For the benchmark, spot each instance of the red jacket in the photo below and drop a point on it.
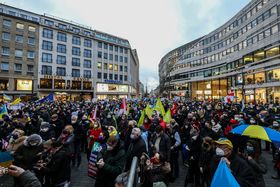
(93, 135)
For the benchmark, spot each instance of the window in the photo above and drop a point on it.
(110, 76)
(31, 41)
(7, 23)
(111, 47)
(105, 66)
(46, 70)
(116, 58)
(125, 59)
(105, 76)
(110, 56)
(76, 40)
(274, 29)
(125, 51)
(61, 48)
(266, 15)
(99, 65)
(273, 11)
(61, 37)
(87, 74)
(87, 53)
(5, 66)
(121, 68)
(105, 56)
(87, 43)
(76, 62)
(49, 23)
(125, 78)
(30, 68)
(272, 52)
(99, 44)
(254, 23)
(47, 57)
(110, 66)
(121, 77)
(267, 33)
(99, 54)
(5, 51)
(259, 55)
(248, 59)
(87, 63)
(18, 67)
(31, 54)
(121, 50)
(47, 45)
(260, 36)
(75, 73)
(61, 59)
(105, 46)
(115, 67)
(121, 58)
(260, 19)
(20, 26)
(125, 68)
(18, 53)
(116, 49)
(19, 38)
(6, 36)
(76, 51)
(47, 33)
(99, 75)
(31, 29)
(116, 77)
(60, 71)
(76, 30)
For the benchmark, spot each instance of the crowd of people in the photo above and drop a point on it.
(48, 139)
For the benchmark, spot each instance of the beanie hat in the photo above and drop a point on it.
(33, 140)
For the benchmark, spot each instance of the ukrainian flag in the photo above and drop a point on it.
(6, 97)
(3, 110)
(6, 159)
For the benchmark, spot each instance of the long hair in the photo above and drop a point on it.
(257, 149)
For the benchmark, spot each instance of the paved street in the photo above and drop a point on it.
(80, 178)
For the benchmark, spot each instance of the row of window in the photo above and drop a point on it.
(18, 53)
(240, 46)
(6, 36)
(116, 67)
(61, 71)
(76, 40)
(17, 67)
(116, 76)
(110, 47)
(117, 58)
(233, 25)
(19, 26)
(234, 36)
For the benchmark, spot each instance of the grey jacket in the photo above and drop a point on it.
(259, 168)
(28, 179)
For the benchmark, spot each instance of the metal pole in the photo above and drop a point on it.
(132, 178)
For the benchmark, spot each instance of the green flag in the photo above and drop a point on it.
(159, 107)
(149, 111)
(167, 117)
(142, 117)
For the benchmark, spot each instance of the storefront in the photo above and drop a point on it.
(23, 85)
(111, 91)
(4, 84)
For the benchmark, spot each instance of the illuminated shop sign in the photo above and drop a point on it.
(24, 85)
(111, 88)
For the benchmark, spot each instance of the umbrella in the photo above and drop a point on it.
(259, 132)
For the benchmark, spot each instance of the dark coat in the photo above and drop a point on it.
(164, 145)
(240, 169)
(28, 179)
(259, 169)
(114, 163)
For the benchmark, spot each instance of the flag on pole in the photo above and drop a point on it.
(6, 97)
(3, 110)
(167, 117)
(94, 114)
(159, 107)
(149, 111)
(223, 176)
(123, 107)
(45, 99)
(141, 120)
(15, 102)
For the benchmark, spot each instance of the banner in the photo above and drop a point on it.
(46, 99)
(95, 156)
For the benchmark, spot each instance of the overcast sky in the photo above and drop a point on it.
(153, 27)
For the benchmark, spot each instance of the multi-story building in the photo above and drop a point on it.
(242, 57)
(19, 51)
(73, 61)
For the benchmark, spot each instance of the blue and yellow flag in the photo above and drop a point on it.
(6, 159)
(15, 102)
(3, 110)
(6, 97)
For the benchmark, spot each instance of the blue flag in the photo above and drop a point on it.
(48, 98)
(3, 110)
(223, 177)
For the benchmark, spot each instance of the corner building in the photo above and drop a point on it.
(242, 57)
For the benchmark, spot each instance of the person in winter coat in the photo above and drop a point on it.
(240, 169)
(111, 163)
(67, 139)
(78, 135)
(57, 125)
(256, 161)
(93, 135)
(136, 148)
(27, 155)
(46, 131)
(16, 140)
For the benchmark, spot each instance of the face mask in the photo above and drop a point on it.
(109, 148)
(44, 129)
(32, 143)
(194, 137)
(275, 125)
(133, 137)
(145, 121)
(73, 121)
(220, 152)
(252, 121)
(250, 150)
